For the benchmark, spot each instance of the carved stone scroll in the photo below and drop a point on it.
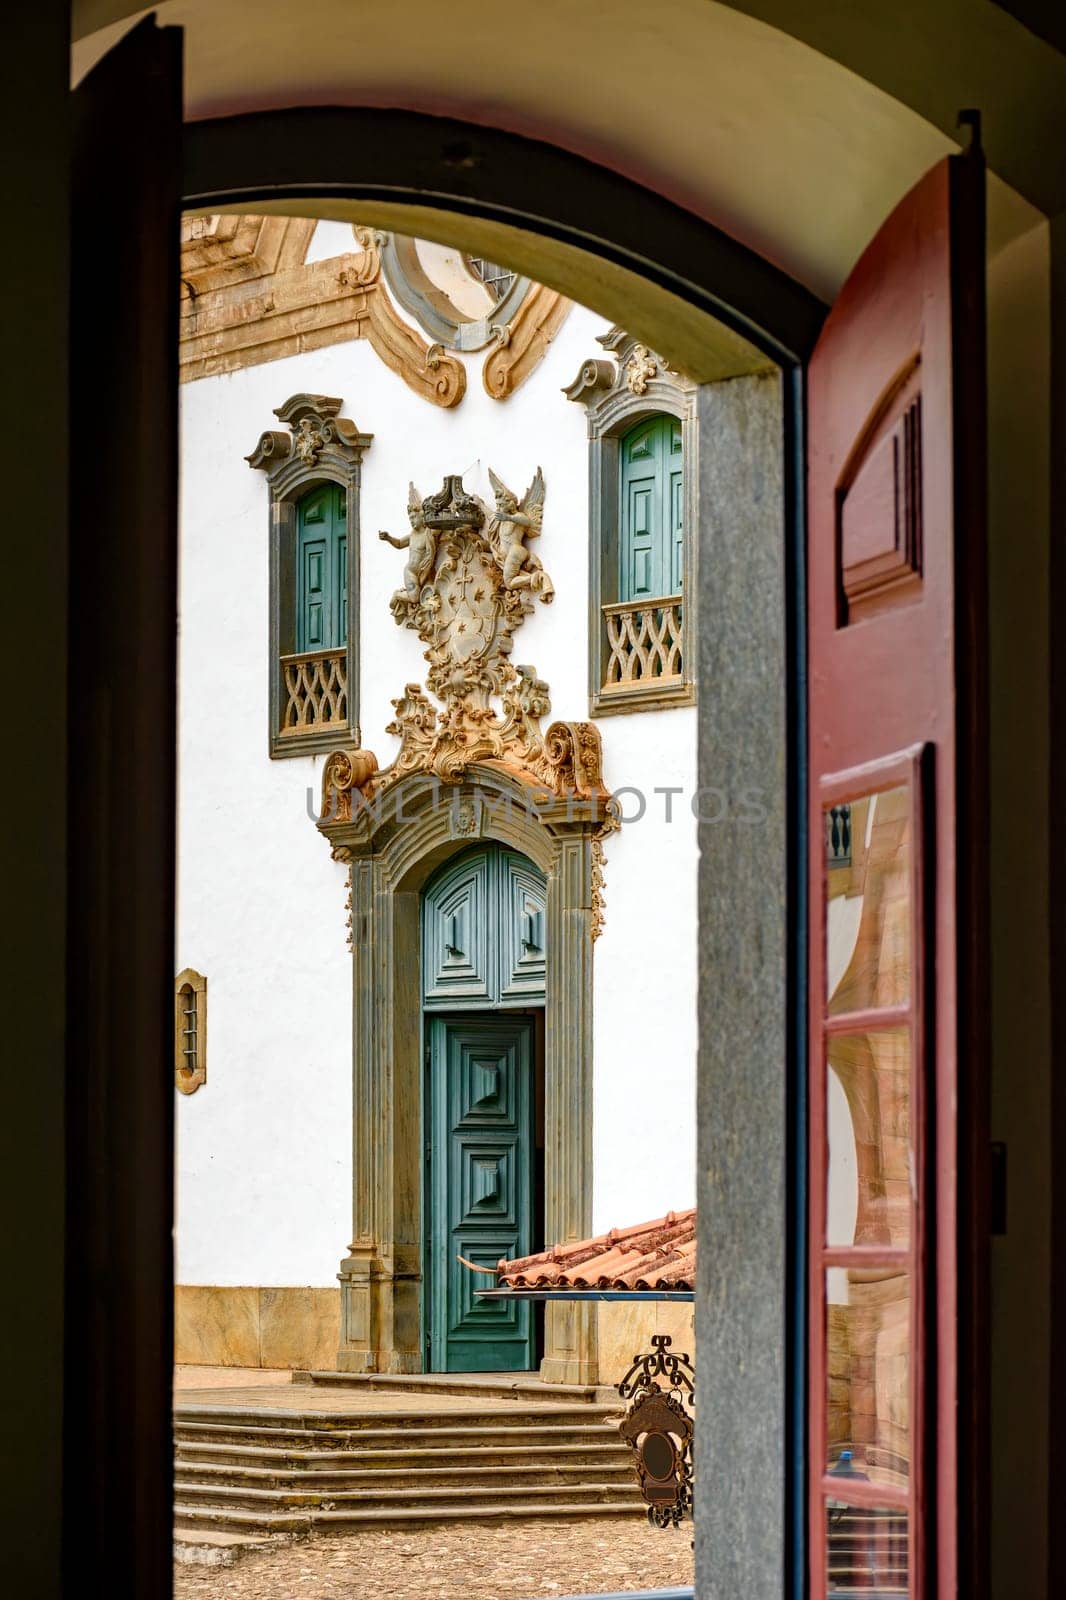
(428, 369)
(524, 341)
(248, 296)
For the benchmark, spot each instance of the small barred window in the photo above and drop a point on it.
(190, 1031)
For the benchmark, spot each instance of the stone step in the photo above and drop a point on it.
(488, 1453)
(485, 1385)
(205, 1547)
(381, 1435)
(187, 1414)
(290, 1470)
(196, 1482)
(221, 1497)
(488, 1510)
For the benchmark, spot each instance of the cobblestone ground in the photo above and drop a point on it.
(516, 1561)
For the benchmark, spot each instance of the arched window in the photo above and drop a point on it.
(643, 504)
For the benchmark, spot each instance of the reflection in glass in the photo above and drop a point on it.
(868, 1336)
(868, 1123)
(868, 902)
(866, 1549)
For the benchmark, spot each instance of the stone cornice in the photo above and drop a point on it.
(249, 297)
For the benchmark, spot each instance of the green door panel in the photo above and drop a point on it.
(479, 1106)
(523, 928)
(457, 933)
(484, 931)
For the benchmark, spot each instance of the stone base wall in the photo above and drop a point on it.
(251, 1326)
(256, 1327)
(625, 1330)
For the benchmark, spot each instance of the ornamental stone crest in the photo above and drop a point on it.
(469, 580)
(640, 369)
(317, 436)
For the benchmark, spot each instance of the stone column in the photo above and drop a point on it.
(570, 1330)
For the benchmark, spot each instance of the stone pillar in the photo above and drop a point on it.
(570, 1330)
(358, 1346)
(742, 1422)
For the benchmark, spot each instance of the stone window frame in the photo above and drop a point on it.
(321, 447)
(412, 290)
(190, 982)
(617, 395)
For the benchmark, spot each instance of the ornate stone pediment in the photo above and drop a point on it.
(469, 581)
(608, 388)
(317, 437)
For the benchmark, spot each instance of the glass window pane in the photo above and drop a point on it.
(868, 902)
(871, 1164)
(868, 1339)
(866, 1550)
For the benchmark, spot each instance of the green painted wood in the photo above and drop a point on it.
(523, 923)
(484, 931)
(458, 933)
(651, 533)
(479, 1098)
(675, 508)
(322, 569)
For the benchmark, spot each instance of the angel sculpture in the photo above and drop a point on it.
(421, 547)
(514, 522)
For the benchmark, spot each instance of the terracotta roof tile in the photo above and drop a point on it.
(651, 1255)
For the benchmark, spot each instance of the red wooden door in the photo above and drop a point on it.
(896, 539)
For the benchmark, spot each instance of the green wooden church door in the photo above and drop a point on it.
(484, 918)
(480, 1146)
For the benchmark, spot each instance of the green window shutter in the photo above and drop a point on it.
(341, 636)
(651, 533)
(321, 569)
(675, 510)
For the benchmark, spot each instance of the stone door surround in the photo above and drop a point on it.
(393, 847)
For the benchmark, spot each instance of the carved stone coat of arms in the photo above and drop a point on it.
(470, 577)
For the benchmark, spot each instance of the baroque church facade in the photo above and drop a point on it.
(437, 799)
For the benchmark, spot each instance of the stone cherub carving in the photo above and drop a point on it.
(421, 547)
(469, 582)
(514, 522)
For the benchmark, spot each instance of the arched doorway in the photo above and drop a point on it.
(484, 963)
(406, 850)
(744, 1287)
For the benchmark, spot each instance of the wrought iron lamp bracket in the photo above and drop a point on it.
(658, 1428)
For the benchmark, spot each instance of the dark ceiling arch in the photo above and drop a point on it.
(404, 157)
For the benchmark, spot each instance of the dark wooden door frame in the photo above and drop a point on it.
(480, 173)
(410, 159)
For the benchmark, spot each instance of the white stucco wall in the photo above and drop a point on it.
(264, 1158)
